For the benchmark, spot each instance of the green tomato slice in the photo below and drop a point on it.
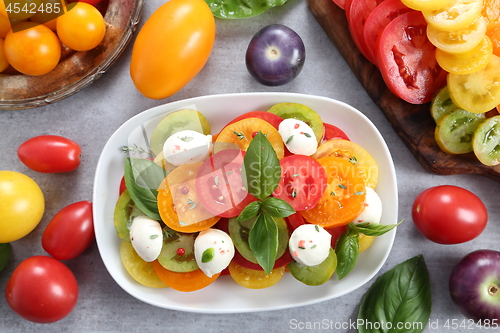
(455, 130)
(441, 104)
(486, 141)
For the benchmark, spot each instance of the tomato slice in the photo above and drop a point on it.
(479, 91)
(294, 221)
(302, 182)
(378, 19)
(282, 261)
(358, 14)
(441, 104)
(495, 40)
(486, 141)
(255, 279)
(186, 282)
(466, 62)
(458, 14)
(426, 4)
(407, 61)
(491, 11)
(354, 153)
(271, 118)
(242, 132)
(344, 196)
(142, 271)
(179, 204)
(336, 232)
(333, 132)
(458, 41)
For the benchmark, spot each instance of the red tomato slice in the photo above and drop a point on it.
(302, 183)
(333, 132)
(271, 118)
(358, 14)
(294, 221)
(284, 260)
(219, 184)
(336, 232)
(378, 19)
(407, 60)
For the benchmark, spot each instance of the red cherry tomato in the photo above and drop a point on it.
(70, 231)
(50, 154)
(449, 214)
(407, 60)
(333, 132)
(42, 289)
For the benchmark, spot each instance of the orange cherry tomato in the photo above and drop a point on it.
(186, 282)
(178, 203)
(495, 40)
(33, 50)
(172, 47)
(344, 196)
(4, 63)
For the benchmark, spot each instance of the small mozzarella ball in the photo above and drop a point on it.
(213, 251)
(146, 237)
(309, 244)
(298, 137)
(187, 147)
(373, 208)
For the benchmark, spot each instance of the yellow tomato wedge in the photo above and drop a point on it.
(459, 14)
(142, 271)
(466, 62)
(354, 153)
(458, 41)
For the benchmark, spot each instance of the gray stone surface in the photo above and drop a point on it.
(92, 115)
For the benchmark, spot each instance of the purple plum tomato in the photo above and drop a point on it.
(474, 286)
(448, 214)
(275, 55)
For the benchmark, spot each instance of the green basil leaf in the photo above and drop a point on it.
(251, 210)
(234, 9)
(374, 229)
(400, 298)
(347, 250)
(277, 207)
(4, 254)
(262, 167)
(208, 255)
(263, 241)
(143, 177)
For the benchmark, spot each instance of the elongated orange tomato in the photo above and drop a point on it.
(186, 282)
(172, 47)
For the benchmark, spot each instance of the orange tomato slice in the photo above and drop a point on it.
(255, 279)
(242, 132)
(344, 196)
(178, 203)
(348, 150)
(185, 282)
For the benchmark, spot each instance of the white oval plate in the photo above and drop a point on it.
(225, 295)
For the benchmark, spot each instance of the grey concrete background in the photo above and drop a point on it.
(92, 115)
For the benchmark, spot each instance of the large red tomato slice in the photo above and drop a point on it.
(378, 19)
(357, 16)
(407, 59)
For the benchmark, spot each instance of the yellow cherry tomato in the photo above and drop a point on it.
(458, 41)
(22, 205)
(33, 50)
(466, 62)
(458, 14)
(82, 27)
(172, 47)
(364, 242)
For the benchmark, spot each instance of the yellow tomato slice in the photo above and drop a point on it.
(479, 91)
(178, 203)
(425, 4)
(254, 279)
(466, 62)
(344, 197)
(242, 132)
(142, 271)
(458, 41)
(458, 14)
(367, 166)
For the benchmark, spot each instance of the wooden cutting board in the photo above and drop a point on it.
(413, 123)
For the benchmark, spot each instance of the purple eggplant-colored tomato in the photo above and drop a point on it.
(474, 286)
(275, 55)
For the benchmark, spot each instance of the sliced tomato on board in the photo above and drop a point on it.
(333, 132)
(378, 19)
(407, 60)
(358, 14)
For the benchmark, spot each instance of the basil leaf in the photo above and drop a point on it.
(234, 9)
(347, 250)
(251, 210)
(262, 167)
(4, 255)
(399, 298)
(263, 241)
(277, 207)
(208, 255)
(374, 229)
(143, 177)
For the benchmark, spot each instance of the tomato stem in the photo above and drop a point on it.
(493, 290)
